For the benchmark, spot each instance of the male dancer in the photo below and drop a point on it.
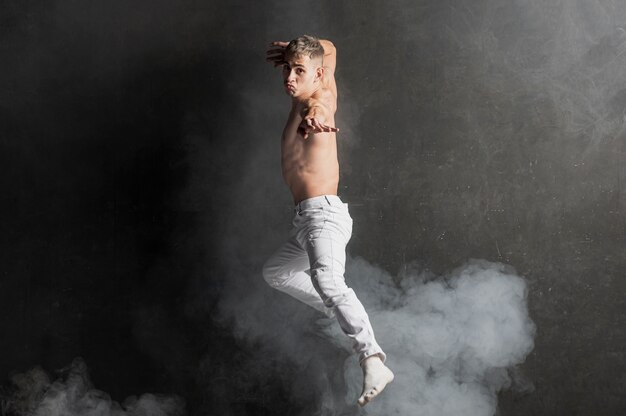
(310, 265)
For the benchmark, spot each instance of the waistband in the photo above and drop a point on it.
(318, 201)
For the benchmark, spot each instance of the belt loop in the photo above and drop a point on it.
(325, 197)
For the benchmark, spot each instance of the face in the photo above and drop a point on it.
(301, 75)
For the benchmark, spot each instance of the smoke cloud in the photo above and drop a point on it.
(73, 394)
(453, 341)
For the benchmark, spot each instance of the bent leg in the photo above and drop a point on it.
(288, 271)
(326, 230)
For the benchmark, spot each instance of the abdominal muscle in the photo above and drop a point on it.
(310, 166)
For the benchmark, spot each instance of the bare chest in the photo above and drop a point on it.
(292, 143)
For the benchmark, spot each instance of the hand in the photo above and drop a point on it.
(276, 54)
(312, 125)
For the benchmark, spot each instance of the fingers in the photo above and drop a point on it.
(279, 57)
(312, 125)
(322, 127)
(276, 61)
(319, 127)
(274, 53)
(276, 56)
(277, 49)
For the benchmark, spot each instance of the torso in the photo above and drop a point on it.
(310, 166)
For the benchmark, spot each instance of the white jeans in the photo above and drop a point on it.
(310, 267)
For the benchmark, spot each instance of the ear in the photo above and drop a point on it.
(319, 73)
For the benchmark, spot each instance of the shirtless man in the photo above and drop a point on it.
(310, 265)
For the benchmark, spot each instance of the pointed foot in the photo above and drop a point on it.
(376, 376)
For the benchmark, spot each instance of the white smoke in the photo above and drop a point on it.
(452, 341)
(449, 340)
(73, 394)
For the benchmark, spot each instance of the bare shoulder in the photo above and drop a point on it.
(327, 97)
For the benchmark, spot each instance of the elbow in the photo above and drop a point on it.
(328, 46)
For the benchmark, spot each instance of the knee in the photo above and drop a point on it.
(270, 275)
(331, 287)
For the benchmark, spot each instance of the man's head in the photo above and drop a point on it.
(305, 46)
(304, 67)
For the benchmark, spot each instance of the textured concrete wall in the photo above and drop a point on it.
(139, 147)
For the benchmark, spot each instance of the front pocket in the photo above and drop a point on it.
(317, 229)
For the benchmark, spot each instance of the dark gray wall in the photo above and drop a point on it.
(141, 180)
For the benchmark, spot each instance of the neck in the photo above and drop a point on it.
(303, 98)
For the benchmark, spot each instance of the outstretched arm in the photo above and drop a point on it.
(319, 115)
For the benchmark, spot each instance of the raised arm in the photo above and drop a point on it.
(330, 62)
(276, 53)
(322, 106)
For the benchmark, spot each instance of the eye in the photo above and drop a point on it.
(299, 70)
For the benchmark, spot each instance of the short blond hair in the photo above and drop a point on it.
(305, 45)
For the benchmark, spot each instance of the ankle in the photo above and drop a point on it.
(372, 360)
